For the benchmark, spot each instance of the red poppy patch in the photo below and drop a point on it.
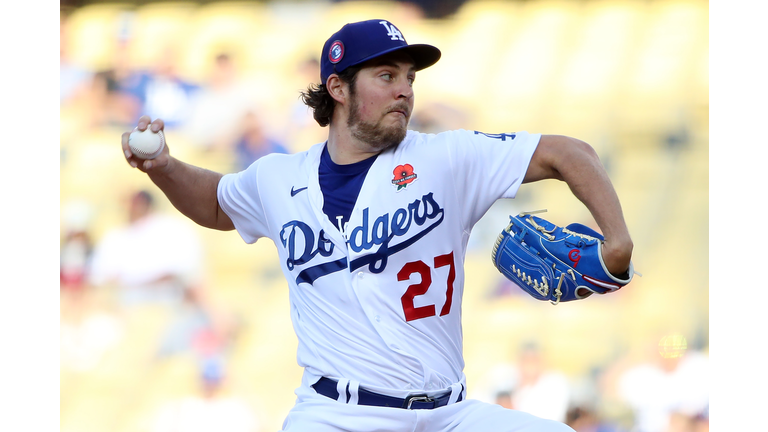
(404, 175)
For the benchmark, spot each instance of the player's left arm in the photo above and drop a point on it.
(577, 164)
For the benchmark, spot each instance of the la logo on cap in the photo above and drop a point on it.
(336, 52)
(392, 31)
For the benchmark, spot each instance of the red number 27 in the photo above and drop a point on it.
(421, 288)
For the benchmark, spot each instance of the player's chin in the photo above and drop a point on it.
(398, 117)
(396, 123)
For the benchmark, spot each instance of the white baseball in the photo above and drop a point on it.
(147, 144)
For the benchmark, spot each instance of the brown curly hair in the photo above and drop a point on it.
(321, 102)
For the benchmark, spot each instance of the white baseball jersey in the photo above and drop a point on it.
(380, 302)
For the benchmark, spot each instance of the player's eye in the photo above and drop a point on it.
(387, 76)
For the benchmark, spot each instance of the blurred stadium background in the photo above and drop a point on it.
(629, 77)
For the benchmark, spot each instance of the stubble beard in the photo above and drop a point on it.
(376, 135)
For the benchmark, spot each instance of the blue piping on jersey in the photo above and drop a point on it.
(311, 274)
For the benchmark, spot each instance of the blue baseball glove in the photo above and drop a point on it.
(554, 263)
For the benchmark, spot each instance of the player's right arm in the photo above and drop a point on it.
(192, 190)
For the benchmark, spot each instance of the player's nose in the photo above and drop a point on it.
(407, 93)
(404, 90)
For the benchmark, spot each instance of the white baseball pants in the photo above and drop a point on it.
(317, 413)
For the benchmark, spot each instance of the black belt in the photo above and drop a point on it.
(327, 387)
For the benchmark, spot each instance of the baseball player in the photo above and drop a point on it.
(371, 228)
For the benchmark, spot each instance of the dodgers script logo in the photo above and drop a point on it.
(297, 231)
(299, 240)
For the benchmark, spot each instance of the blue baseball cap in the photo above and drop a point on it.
(361, 41)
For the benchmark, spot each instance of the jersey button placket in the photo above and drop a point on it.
(360, 278)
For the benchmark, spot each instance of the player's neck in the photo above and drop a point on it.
(344, 149)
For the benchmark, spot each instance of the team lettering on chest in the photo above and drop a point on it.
(303, 246)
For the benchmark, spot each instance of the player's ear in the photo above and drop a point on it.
(337, 88)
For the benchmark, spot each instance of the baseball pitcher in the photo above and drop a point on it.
(371, 228)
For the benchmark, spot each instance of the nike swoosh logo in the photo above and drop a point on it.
(295, 191)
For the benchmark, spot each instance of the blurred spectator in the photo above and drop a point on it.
(683, 422)
(199, 328)
(668, 392)
(680, 422)
(539, 391)
(528, 385)
(583, 419)
(504, 398)
(153, 259)
(87, 328)
(76, 246)
(210, 410)
(701, 421)
(191, 319)
(254, 143)
(76, 250)
(157, 260)
(125, 93)
(218, 107)
(120, 91)
(168, 96)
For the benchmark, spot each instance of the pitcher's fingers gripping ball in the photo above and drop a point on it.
(554, 263)
(146, 144)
